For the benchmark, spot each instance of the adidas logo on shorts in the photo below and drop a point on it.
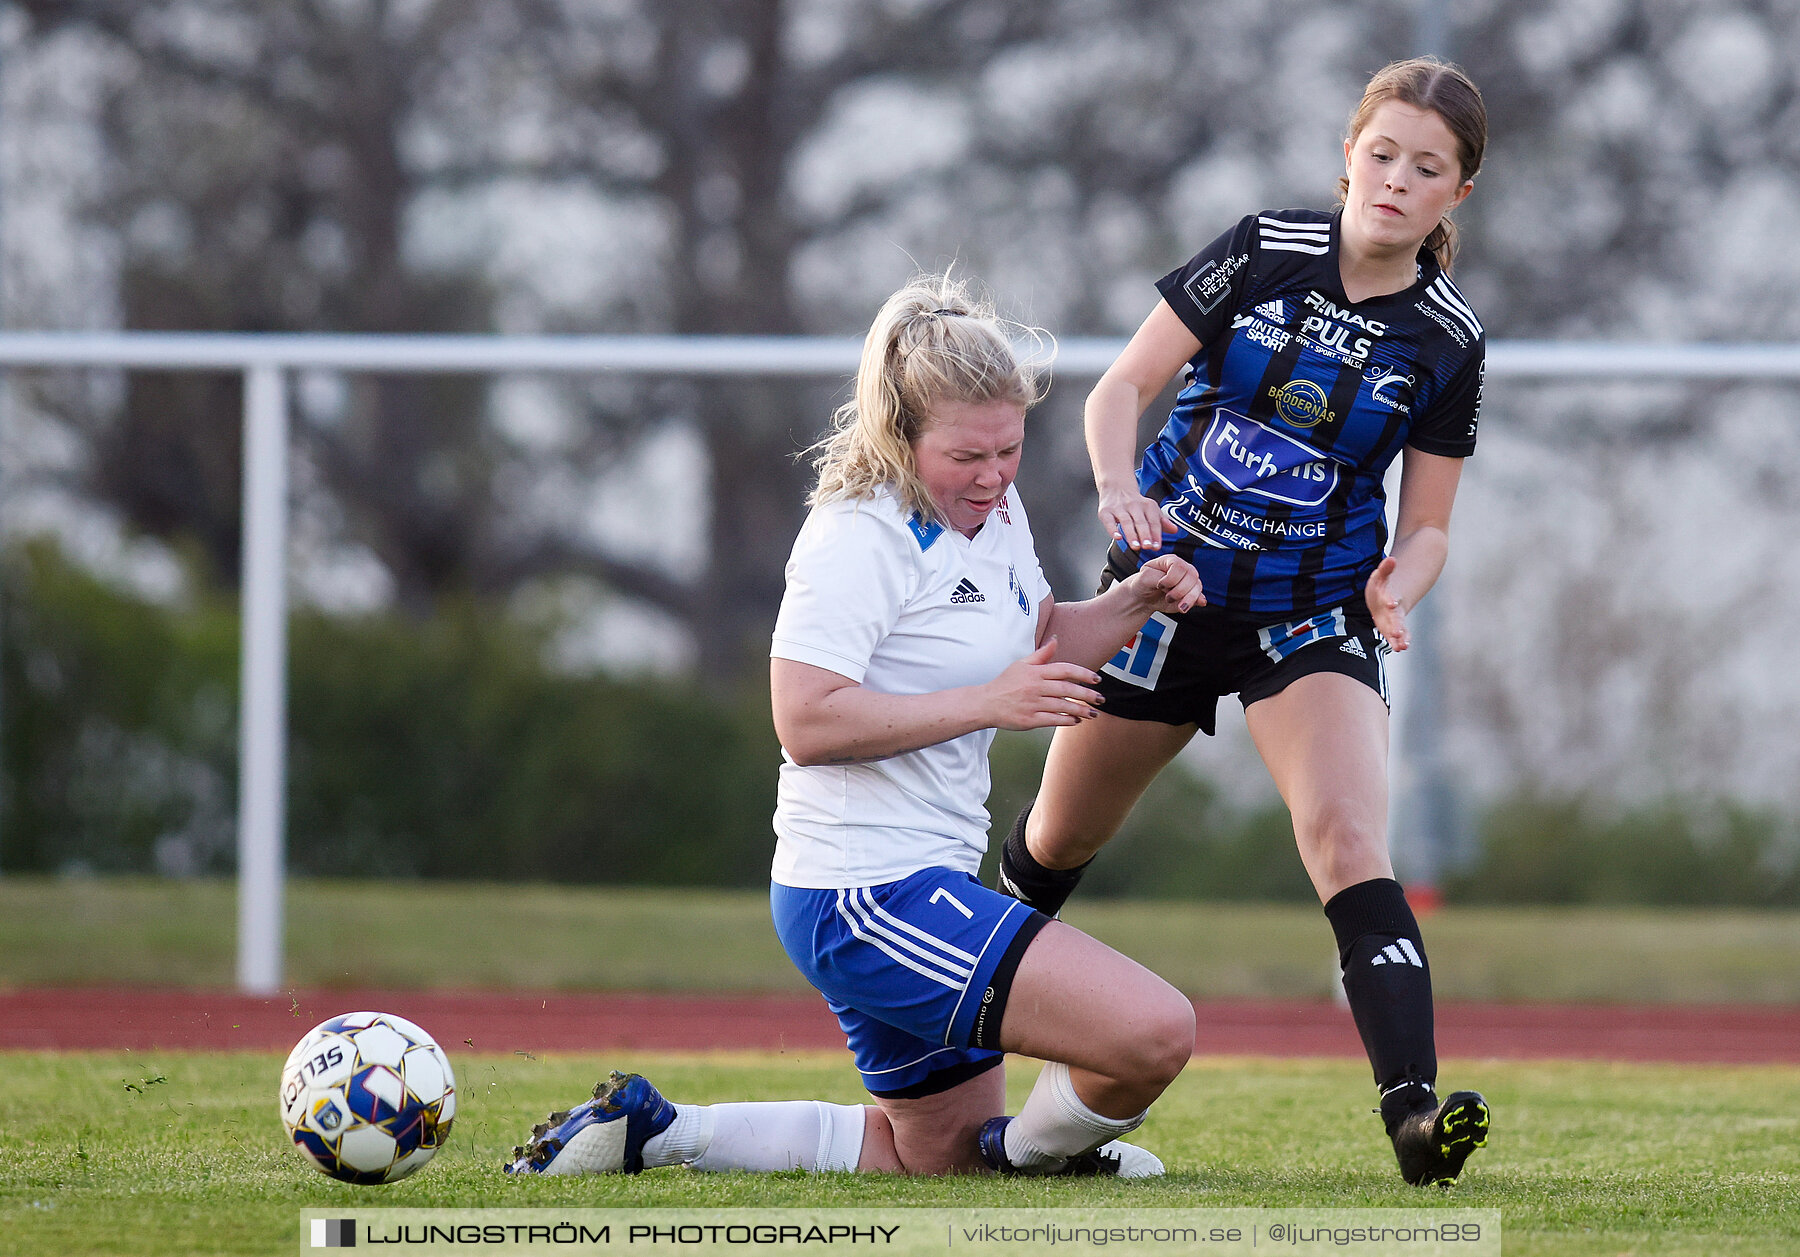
(965, 591)
(1351, 646)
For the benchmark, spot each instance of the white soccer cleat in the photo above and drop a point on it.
(1117, 1159)
(606, 1135)
(1134, 1162)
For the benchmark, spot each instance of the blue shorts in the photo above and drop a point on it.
(917, 971)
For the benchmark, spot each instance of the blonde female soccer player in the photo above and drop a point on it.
(916, 622)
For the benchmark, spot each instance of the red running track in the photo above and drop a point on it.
(92, 1017)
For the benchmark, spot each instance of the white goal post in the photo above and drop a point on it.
(265, 360)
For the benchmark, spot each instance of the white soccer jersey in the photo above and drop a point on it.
(905, 607)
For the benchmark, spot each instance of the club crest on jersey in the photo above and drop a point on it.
(1250, 457)
(1301, 404)
(1018, 590)
(1395, 384)
(924, 531)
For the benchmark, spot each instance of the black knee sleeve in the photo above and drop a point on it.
(1387, 981)
(1029, 882)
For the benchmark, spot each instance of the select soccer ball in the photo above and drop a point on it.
(368, 1097)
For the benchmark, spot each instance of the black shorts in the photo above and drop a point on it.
(1178, 666)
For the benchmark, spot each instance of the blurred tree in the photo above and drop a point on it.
(259, 184)
(707, 110)
(271, 168)
(760, 168)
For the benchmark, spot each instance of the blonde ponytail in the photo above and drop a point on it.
(931, 342)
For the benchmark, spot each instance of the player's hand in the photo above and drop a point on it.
(1167, 583)
(1036, 693)
(1384, 605)
(1133, 520)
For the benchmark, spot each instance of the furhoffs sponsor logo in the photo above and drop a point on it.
(1250, 457)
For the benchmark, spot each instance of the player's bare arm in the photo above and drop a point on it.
(1151, 359)
(823, 717)
(1092, 632)
(1421, 542)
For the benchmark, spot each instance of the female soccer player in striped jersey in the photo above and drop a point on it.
(916, 622)
(1319, 347)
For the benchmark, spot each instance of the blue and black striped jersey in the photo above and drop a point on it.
(1272, 460)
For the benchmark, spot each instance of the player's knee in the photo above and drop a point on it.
(1161, 1041)
(1346, 837)
(1057, 845)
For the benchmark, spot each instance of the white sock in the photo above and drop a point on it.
(1055, 1125)
(683, 1139)
(783, 1135)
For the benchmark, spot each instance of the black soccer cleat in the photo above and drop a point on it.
(1431, 1144)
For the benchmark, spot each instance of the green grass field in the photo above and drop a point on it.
(168, 1153)
(425, 934)
(162, 1153)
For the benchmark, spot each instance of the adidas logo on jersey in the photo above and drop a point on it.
(1272, 311)
(1351, 646)
(1398, 952)
(965, 591)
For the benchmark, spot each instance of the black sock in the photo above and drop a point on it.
(1388, 983)
(1029, 882)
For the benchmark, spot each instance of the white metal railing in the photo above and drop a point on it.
(265, 359)
(760, 355)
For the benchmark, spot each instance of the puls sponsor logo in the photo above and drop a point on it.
(1334, 340)
(1333, 330)
(1301, 404)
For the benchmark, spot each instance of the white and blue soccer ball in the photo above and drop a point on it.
(368, 1097)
